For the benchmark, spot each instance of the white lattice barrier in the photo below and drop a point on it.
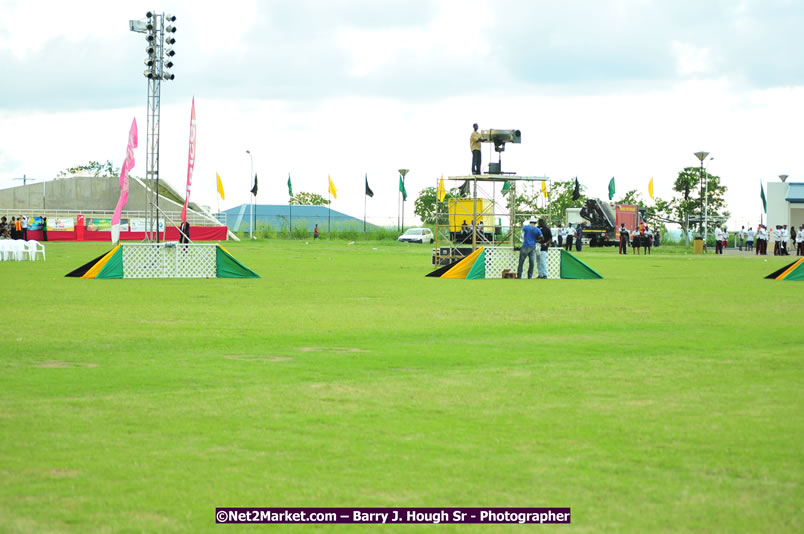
(500, 258)
(169, 260)
(553, 263)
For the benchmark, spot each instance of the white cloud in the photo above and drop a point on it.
(692, 60)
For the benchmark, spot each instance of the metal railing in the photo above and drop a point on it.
(194, 218)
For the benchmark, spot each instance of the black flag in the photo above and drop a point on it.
(576, 193)
(369, 192)
(254, 189)
(464, 189)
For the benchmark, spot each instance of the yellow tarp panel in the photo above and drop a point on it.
(790, 270)
(93, 272)
(463, 267)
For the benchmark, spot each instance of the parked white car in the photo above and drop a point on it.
(417, 235)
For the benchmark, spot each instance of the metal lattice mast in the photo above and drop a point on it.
(158, 63)
(152, 142)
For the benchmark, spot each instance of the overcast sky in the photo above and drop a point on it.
(623, 88)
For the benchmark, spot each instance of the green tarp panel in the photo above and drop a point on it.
(228, 267)
(81, 271)
(796, 276)
(572, 267)
(113, 267)
(478, 270)
(441, 270)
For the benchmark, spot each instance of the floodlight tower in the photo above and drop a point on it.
(158, 63)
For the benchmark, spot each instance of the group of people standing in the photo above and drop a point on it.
(642, 238)
(16, 229)
(721, 239)
(533, 236)
(758, 241)
(569, 234)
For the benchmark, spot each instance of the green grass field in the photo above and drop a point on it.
(667, 397)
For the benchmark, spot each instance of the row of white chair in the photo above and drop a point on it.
(19, 250)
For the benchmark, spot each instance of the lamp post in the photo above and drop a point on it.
(25, 181)
(251, 219)
(702, 156)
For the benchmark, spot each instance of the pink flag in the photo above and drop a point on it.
(190, 164)
(128, 164)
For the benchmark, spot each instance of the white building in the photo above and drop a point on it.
(785, 204)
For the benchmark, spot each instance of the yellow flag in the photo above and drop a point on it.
(220, 187)
(332, 189)
(544, 189)
(650, 188)
(441, 191)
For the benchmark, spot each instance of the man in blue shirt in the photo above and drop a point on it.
(530, 236)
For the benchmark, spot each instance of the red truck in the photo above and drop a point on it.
(603, 220)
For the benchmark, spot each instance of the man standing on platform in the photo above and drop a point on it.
(474, 145)
(530, 236)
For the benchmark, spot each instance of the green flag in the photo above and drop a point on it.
(762, 196)
(402, 189)
(611, 188)
(290, 187)
(506, 187)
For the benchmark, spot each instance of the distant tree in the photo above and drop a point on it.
(561, 198)
(630, 197)
(686, 203)
(308, 199)
(427, 206)
(93, 168)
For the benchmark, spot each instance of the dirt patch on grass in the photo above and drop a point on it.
(251, 358)
(56, 364)
(334, 350)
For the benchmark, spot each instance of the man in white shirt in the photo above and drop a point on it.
(648, 239)
(749, 238)
(569, 233)
(762, 238)
(562, 233)
(725, 237)
(776, 235)
(784, 235)
(718, 240)
(800, 240)
(741, 238)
